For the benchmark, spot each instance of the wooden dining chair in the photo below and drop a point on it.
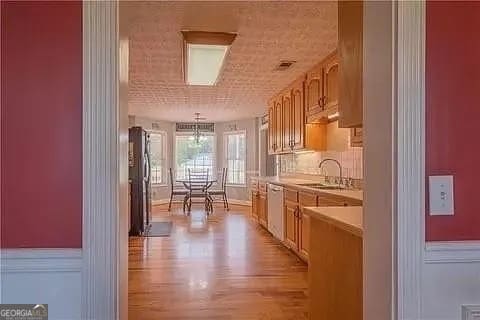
(198, 184)
(175, 192)
(223, 189)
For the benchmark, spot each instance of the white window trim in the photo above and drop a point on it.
(225, 160)
(165, 155)
(174, 148)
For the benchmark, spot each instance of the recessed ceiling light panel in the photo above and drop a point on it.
(204, 55)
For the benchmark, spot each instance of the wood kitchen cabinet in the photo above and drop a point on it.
(262, 204)
(298, 116)
(330, 84)
(297, 222)
(254, 191)
(278, 110)
(350, 54)
(314, 90)
(356, 137)
(321, 89)
(305, 199)
(272, 138)
(287, 123)
(337, 253)
(291, 224)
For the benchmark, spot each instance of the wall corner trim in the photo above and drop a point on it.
(410, 187)
(452, 252)
(101, 219)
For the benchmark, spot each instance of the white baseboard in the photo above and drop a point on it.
(470, 312)
(452, 252)
(43, 276)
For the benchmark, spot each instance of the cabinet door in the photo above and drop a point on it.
(314, 90)
(298, 117)
(278, 124)
(255, 205)
(304, 234)
(271, 129)
(330, 84)
(350, 53)
(291, 227)
(262, 210)
(356, 137)
(287, 122)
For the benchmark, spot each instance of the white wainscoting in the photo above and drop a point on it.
(451, 281)
(51, 276)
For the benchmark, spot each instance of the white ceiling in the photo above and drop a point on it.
(267, 33)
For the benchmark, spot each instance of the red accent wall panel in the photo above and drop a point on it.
(453, 113)
(41, 123)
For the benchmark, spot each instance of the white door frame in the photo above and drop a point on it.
(410, 157)
(105, 169)
(104, 152)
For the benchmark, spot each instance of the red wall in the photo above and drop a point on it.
(41, 123)
(453, 113)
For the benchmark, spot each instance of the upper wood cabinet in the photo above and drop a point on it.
(278, 110)
(356, 137)
(350, 51)
(287, 144)
(330, 83)
(272, 138)
(298, 117)
(314, 90)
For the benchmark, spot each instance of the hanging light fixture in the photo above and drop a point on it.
(196, 130)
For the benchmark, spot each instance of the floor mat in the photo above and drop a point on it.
(160, 229)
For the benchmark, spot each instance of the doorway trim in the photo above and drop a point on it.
(410, 142)
(103, 238)
(103, 248)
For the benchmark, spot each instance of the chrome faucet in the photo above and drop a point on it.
(335, 161)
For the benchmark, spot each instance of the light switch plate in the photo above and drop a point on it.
(441, 195)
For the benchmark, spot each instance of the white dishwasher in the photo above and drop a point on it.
(275, 211)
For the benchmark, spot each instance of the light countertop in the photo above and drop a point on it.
(347, 218)
(297, 184)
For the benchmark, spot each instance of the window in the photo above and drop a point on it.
(158, 155)
(235, 156)
(194, 156)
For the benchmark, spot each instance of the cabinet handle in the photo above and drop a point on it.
(320, 102)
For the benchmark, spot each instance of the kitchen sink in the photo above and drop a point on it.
(322, 186)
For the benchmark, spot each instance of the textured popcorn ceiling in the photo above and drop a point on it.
(267, 33)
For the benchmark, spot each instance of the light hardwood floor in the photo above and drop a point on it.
(220, 267)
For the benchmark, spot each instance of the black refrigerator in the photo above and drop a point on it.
(139, 175)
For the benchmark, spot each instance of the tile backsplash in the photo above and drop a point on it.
(338, 148)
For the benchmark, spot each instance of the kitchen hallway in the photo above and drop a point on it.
(224, 266)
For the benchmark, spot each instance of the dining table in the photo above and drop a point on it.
(200, 184)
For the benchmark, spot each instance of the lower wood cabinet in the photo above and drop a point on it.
(291, 224)
(262, 209)
(297, 222)
(255, 205)
(337, 253)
